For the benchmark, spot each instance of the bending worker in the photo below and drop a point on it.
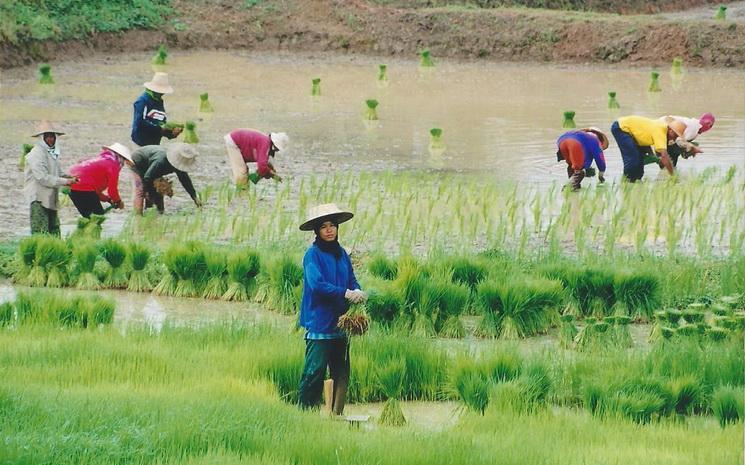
(249, 145)
(151, 163)
(693, 127)
(634, 133)
(579, 149)
(96, 176)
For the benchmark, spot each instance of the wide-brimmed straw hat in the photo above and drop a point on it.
(45, 127)
(677, 126)
(604, 142)
(119, 149)
(280, 140)
(181, 156)
(159, 83)
(325, 212)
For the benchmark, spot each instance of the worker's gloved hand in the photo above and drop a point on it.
(355, 296)
(601, 176)
(71, 180)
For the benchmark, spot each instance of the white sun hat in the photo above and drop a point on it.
(45, 127)
(325, 212)
(159, 83)
(181, 156)
(280, 140)
(120, 149)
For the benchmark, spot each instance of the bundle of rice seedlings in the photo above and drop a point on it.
(435, 139)
(204, 103)
(27, 257)
(612, 102)
(382, 72)
(384, 305)
(619, 333)
(687, 394)
(68, 312)
(190, 135)
(721, 13)
(161, 55)
(717, 334)
(452, 304)
(382, 267)
(673, 316)
(138, 258)
(217, 268)
(167, 283)
(86, 254)
(371, 112)
(687, 330)
(89, 227)
(426, 59)
(693, 316)
(355, 321)
(639, 406)
(468, 271)
(52, 256)
(101, 311)
(727, 405)
(473, 388)
(7, 310)
(569, 120)
(502, 365)
(535, 384)
(45, 74)
(114, 253)
(286, 276)
(719, 309)
(592, 290)
(730, 301)
(654, 84)
(639, 292)
(315, 89)
(243, 267)
(567, 332)
(594, 398)
(25, 149)
(586, 337)
(677, 67)
(390, 378)
(187, 262)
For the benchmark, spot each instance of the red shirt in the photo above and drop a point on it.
(98, 175)
(254, 146)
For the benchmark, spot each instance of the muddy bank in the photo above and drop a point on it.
(360, 27)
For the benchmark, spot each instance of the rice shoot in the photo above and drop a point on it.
(569, 120)
(160, 55)
(612, 102)
(721, 13)
(243, 267)
(390, 378)
(435, 139)
(426, 59)
(371, 113)
(677, 67)
(138, 259)
(86, 254)
(25, 149)
(190, 135)
(654, 84)
(355, 321)
(217, 268)
(382, 72)
(45, 74)
(204, 103)
(315, 89)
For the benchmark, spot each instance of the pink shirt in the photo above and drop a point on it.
(98, 175)
(254, 146)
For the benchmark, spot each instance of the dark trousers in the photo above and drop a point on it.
(86, 203)
(44, 220)
(319, 354)
(631, 153)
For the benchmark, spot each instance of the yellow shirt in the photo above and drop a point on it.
(645, 131)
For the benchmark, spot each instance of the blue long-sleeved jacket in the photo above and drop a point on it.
(146, 123)
(325, 280)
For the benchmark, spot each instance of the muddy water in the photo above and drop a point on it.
(499, 120)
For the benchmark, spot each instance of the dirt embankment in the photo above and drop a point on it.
(355, 26)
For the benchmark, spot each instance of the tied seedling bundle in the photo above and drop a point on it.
(425, 59)
(721, 13)
(390, 378)
(315, 89)
(568, 331)
(138, 278)
(217, 269)
(654, 84)
(53, 257)
(384, 305)
(86, 254)
(204, 103)
(190, 135)
(280, 285)
(612, 102)
(160, 55)
(382, 73)
(89, 228)
(569, 120)
(115, 254)
(45, 74)
(472, 385)
(435, 139)
(677, 67)
(27, 259)
(371, 112)
(25, 149)
(243, 267)
(169, 126)
(355, 322)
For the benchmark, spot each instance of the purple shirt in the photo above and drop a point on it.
(590, 146)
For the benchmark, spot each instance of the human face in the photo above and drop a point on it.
(50, 138)
(328, 231)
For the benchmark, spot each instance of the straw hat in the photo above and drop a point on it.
(325, 212)
(678, 127)
(181, 156)
(159, 84)
(280, 140)
(120, 149)
(45, 127)
(601, 135)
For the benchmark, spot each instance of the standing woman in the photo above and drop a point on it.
(43, 180)
(150, 113)
(329, 286)
(96, 176)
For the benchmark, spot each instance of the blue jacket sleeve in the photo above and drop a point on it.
(599, 160)
(317, 285)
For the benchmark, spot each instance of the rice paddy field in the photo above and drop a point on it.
(512, 321)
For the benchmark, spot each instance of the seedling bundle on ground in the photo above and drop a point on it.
(45, 74)
(382, 72)
(315, 89)
(190, 134)
(160, 55)
(204, 103)
(371, 112)
(612, 102)
(425, 59)
(654, 84)
(569, 120)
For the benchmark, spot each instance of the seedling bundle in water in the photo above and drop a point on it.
(25, 149)
(569, 120)
(315, 89)
(426, 59)
(161, 55)
(216, 272)
(45, 74)
(371, 112)
(677, 67)
(204, 103)
(86, 254)
(382, 72)
(391, 378)
(281, 285)
(138, 278)
(435, 139)
(243, 267)
(190, 135)
(654, 84)
(114, 253)
(612, 102)
(721, 13)
(53, 257)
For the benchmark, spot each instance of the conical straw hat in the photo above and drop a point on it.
(46, 126)
(325, 212)
(121, 149)
(159, 84)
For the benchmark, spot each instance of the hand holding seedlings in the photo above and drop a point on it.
(356, 296)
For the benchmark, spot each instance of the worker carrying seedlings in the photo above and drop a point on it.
(96, 176)
(329, 287)
(43, 179)
(579, 149)
(149, 121)
(150, 163)
(683, 145)
(250, 145)
(634, 133)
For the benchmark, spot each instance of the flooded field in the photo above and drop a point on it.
(499, 121)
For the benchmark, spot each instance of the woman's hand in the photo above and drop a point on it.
(355, 296)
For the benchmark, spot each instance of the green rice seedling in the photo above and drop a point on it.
(594, 398)
(677, 67)
(190, 134)
(673, 316)
(727, 405)
(654, 84)
(693, 316)
(371, 112)
(89, 228)
(390, 378)
(72, 312)
(639, 292)
(586, 338)
(435, 139)
(101, 311)
(382, 267)
(468, 271)
(284, 276)
(592, 290)
(717, 334)
(315, 89)
(160, 55)
(27, 254)
(45, 74)
(619, 333)
(243, 268)
(687, 393)
(52, 257)
(169, 280)
(687, 330)
(535, 384)
(425, 60)
(472, 387)
(640, 406)
(452, 303)
(204, 103)
(719, 309)
(384, 305)
(217, 268)
(569, 120)
(115, 254)
(25, 149)
(502, 365)
(382, 72)
(7, 311)
(568, 331)
(189, 264)
(612, 102)
(86, 254)
(138, 278)
(721, 13)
